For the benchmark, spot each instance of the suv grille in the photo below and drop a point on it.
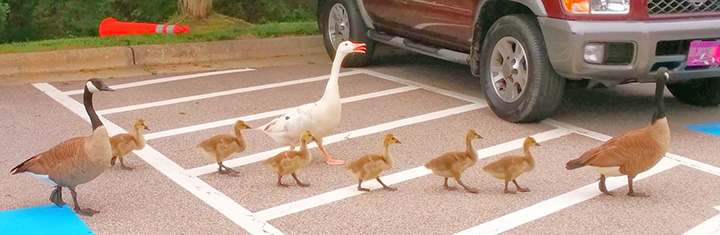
(659, 7)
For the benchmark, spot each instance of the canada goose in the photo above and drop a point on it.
(370, 166)
(123, 144)
(632, 152)
(453, 164)
(220, 147)
(321, 117)
(510, 168)
(75, 161)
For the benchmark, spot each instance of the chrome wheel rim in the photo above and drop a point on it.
(509, 69)
(338, 25)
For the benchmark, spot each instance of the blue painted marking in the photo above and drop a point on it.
(710, 128)
(42, 220)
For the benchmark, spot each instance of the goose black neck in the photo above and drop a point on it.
(659, 100)
(87, 100)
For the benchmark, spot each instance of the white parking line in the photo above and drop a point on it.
(222, 203)
(711, 226)
(602, 137)
(350, 191)
(340, 137)
(230, 121)
(166, 79)
(552, 205)
(438, 90)
(217, 94)
(547, 207)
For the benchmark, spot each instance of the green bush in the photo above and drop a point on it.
(18, 26)
(156, 11)
(30, 20)
(4, 11)
(26, 20)
(260, 11)
(69, 18)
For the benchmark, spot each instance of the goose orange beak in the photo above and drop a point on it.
(359, 47)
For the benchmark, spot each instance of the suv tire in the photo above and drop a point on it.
(700, 92)
(347, 24)
(521, 92)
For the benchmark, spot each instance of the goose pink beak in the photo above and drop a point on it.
(359, 47)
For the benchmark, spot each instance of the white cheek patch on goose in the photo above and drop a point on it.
(91, 87)
(44, 178)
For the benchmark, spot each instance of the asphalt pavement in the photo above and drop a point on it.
(427, 103)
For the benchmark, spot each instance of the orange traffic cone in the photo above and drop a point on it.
(111, 27)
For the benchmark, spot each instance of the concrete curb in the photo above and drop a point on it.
(16, 66)
(65, 61)
(151, 55)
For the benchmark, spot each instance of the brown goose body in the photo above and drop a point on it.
(453, 164)
(372, 165)
(632, 152)
(75, 161)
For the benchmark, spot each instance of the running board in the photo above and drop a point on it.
(445, 54)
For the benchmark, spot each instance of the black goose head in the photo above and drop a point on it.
(91, 86)
(95, 84)
(661, 77)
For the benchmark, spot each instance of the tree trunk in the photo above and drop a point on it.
(195, 8)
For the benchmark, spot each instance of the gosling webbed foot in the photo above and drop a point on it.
(86, 211)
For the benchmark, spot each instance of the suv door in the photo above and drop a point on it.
(383, 13)
(447, 23)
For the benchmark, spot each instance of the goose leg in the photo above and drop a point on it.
(227, 170)
(279, 183)
(519, 188)
(56, 196)
(602, 187)
(122, 165)
(360, 188)
(631, 192)
(385, 186)
(221, 169)
(298, 181)
(446, 185)
(472, 190)
(328, 160)
(506, 190)
(86, 211)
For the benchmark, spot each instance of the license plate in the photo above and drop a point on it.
(704, 53)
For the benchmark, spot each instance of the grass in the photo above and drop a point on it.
(215, 28)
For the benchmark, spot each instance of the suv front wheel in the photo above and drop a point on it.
(341, 20)
(516, 75)
(700, 92)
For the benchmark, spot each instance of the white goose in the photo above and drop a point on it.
(321, 117)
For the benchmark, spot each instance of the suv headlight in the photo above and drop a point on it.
(597, 6)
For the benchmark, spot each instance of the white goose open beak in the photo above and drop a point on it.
(359, 47)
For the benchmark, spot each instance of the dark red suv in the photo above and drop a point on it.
(523, 51)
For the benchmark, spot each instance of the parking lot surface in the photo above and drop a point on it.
(426, 103)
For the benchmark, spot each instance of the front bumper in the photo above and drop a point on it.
(565, 42)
